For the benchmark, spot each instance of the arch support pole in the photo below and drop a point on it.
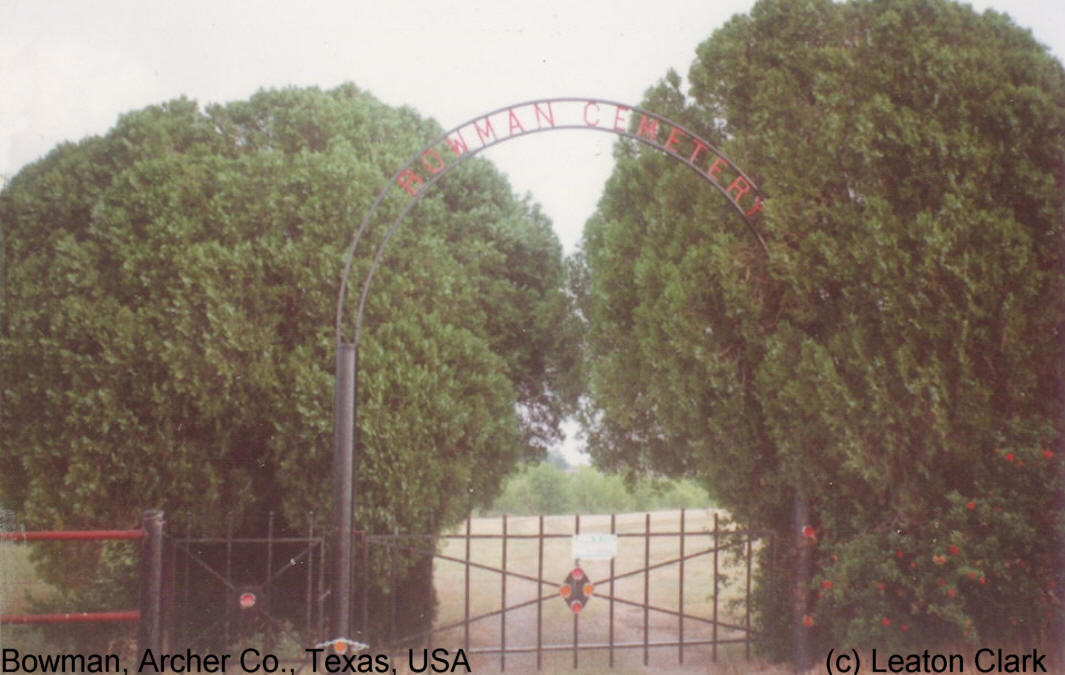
(343, 479)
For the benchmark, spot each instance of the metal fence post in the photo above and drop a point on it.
(149, 635)
(343, 475)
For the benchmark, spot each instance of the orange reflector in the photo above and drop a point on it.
(565, 590)
(340, 646)
(589, 589)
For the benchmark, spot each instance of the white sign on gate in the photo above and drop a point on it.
(595, 546)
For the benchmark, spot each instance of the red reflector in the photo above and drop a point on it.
(247, 600)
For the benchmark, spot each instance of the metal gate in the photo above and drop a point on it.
(224, 591)
(680, 583)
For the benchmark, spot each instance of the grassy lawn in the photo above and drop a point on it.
(18, 581)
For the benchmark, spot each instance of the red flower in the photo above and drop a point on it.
(970, 505)
(904, 627)
(1048, 454)
(983, 581)
(886, 621)
(826, 584)
(1009, 456)
(899, 554)
(807, 620)
(953, 550)
(951, 592)
(880, 585)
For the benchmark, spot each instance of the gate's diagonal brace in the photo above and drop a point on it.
(462, 561)
(205, 565)
(290, 564)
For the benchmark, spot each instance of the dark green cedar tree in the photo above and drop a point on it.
(894, 357)
(167, 332)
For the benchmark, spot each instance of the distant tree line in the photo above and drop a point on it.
(549, 489)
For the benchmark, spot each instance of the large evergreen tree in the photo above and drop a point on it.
(905, 323)
(167, 331)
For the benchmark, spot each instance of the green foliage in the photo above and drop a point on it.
(907, 317)
(547, 489)
(167, 335)
(981, 564)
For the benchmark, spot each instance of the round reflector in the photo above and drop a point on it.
(247, 600)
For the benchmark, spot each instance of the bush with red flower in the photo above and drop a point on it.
(985, 565)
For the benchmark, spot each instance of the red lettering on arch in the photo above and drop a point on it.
(715, 169)
(740, 186)
(700, 148)
(588, 121)
(458, 146)
(432, 161)
(648, 128)
(487, 132)
(515, 123)
(410, 181)
(675, 134)
(619, 124)
(548, 117)
(758, 206)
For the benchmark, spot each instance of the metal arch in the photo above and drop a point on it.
(472, 152)
(345, 415)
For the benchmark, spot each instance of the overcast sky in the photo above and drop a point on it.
(68, 69)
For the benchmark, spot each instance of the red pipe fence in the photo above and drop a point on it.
(149, 616)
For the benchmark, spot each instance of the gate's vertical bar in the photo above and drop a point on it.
(322, 586)
(680, 600)
(539, 594)
(269, 559)
(716, 546)
(188, 556)
(466, 614)
(747, 603)
(310, 569)
(432, 575)
(364, 540)
(392, 589)
(171, 620)
(800, 582)
(150, 636)
(646, 586)
(229, 572)
(503, 604)
(614, 531)
(576, 615)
